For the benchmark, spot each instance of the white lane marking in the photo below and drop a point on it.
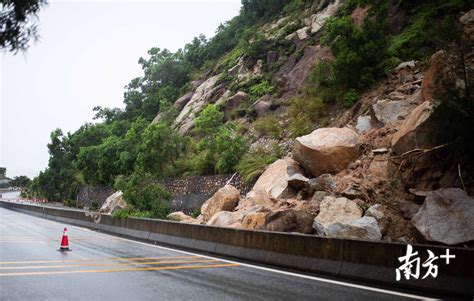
(384, 291)
(23, 241)
(374, 289)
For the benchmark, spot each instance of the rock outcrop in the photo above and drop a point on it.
(225, 199)
(274, 180)
(447, 216)
(197, 103)
(113, 203)
(183, 100)
(326, 150)
(317, 21)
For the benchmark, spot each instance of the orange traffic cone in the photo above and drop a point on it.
(64, 242)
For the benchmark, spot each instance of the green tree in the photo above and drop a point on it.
(20, 181)
(18, 26)
(221, 147)
(160, 146)
(142, 191)
(358, 50)
(3, 172)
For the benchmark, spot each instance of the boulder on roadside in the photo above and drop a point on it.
(178, 216)
(225, 199)
(336, 210)
(254, 221)
(447, 216)
(289, 221)
(182, 217)
(274, 180)
(364, 228)
(326, 150)
(226, 219)
(113, 203)
(257, 198)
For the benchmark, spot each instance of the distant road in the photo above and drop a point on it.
(104, 267)
(7, 194)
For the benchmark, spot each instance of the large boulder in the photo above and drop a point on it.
(447, 216)
(113, 203)
(289, 221)
(326, 150)
(336, 210)
(183, 100)
(225, 199)
(364, 228)
(274, 180)
(226, 219)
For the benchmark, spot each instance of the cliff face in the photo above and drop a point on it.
(379, 161)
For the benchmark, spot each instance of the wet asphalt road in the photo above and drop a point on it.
(103, 267)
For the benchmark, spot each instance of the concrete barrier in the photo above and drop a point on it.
(365, 261)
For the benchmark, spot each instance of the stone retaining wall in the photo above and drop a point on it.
(99, 193)
(188, 194)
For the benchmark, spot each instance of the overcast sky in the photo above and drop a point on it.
(88, 51)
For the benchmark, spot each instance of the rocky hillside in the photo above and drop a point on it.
(353, 117)
(394, 163)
